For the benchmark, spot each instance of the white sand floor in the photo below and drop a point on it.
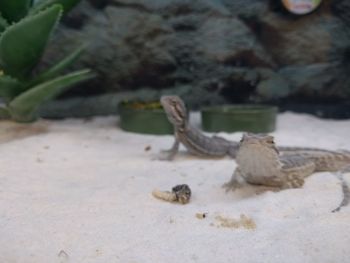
(81, 192)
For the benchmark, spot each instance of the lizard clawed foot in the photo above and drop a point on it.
(293, 182)
(231, 186)
(165, 155)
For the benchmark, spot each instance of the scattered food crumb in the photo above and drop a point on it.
(46, 147)
(201, 215)
(243, 221)
(38, 160)
(147, 148)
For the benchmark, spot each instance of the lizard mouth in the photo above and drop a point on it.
(252, 144)
(255, 147)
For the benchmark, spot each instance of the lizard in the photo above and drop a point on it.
(198, 143)
(259, 162)
(192, 138)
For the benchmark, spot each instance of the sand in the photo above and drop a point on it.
(80, 191)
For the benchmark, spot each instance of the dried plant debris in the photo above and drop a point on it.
(148, 148)
(137, 105)
(10, 131)
(243, 222)
(179, 194)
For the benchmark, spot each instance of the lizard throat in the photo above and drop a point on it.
(256, 159)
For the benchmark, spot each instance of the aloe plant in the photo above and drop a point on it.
(25, 28)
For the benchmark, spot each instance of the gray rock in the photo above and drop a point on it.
(175, 7)
(157, 44)
(247, 9)
(311, 77)
(230, 41)
(307, 40)
(238, 51)
(341, 9)
(272, 85)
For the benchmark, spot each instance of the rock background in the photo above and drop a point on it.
(213, 51)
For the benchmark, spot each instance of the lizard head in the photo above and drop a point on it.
(262, 142)
(175, 109)
(257, 155)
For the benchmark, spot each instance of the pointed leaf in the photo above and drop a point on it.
(24, 107)
(10, 87)
(55, 70)
(22, 44)
(67, 5)
(14, 10)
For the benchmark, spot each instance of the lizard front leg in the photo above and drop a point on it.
(294, 170)
(292, 181)
(168, 155)
(234, 183)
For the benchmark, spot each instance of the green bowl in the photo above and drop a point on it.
(245, 117)
(144, 120)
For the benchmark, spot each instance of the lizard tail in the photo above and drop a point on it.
(345, 190)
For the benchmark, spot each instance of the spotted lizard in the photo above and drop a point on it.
(259, 162)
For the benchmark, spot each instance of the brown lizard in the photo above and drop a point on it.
(259, 162)
(193, 139)
(199, 144)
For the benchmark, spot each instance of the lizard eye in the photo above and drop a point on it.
(270, 140)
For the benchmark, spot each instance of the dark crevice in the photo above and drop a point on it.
(75, 22)
(245, 58)
(99, 4)
(238, 91)
(184, 27)
(137, 7)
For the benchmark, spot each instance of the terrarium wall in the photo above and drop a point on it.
(212, 51)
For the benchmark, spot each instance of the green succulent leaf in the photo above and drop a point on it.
(22, 44)
(55, 70)
(24, 107)
(3, 24)
(14, 10)
(10, 87)
(67, 5)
